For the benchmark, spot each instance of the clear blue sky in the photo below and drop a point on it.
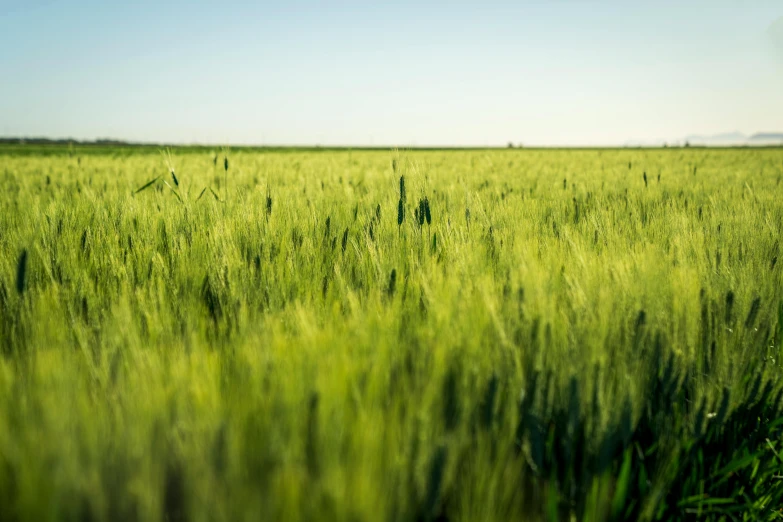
(456, 73)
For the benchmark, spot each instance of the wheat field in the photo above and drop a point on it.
(383, 335)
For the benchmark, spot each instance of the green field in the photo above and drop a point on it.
(558, 335)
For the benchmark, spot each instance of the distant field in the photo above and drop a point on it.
(521, 335)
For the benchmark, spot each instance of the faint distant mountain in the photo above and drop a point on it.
(767, 138)
(728, 139)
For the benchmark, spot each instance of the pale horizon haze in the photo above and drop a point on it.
(554, 73)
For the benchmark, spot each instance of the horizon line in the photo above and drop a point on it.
(117, 142)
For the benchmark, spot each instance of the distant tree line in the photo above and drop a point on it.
(49, 141)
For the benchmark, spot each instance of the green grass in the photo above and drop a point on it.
(564, 340)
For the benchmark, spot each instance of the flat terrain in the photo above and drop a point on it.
(283, 335)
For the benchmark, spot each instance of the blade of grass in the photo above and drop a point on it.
(148, 184)
(174, 191)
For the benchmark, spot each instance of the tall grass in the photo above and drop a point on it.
(582, 345)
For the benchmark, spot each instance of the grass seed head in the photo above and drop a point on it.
(641, 319)
(311, 437)
(729, 307)
(392, 282)
(21, 273)
(753, 313)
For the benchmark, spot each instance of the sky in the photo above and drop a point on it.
(400, 73)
